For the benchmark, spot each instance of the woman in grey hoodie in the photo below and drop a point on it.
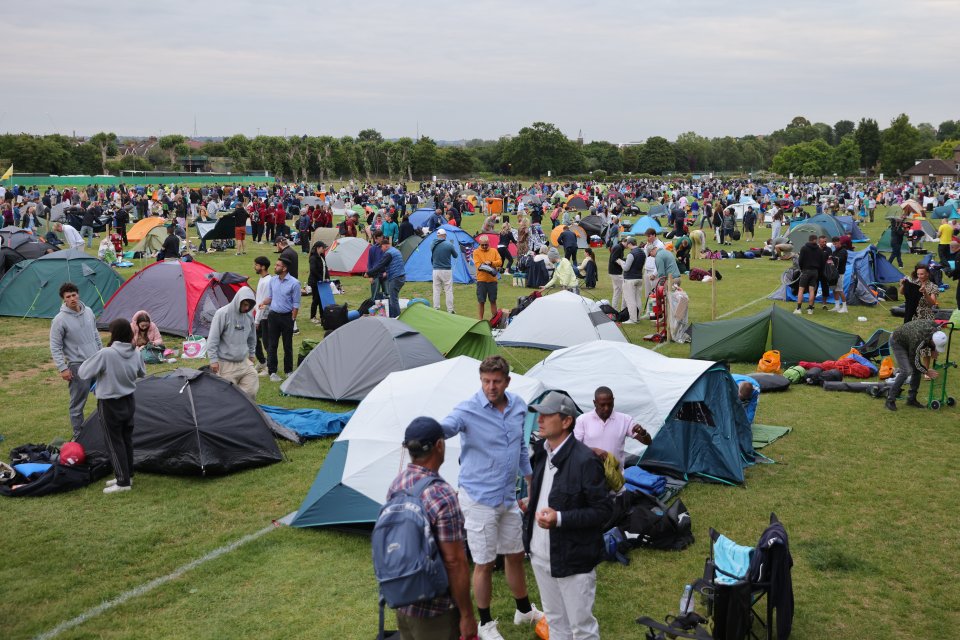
(116, 369)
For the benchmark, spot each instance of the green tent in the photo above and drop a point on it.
(31, 289)
(746, 339)
(452, 335)
(409, 245)
(884, 244)
(151, 242)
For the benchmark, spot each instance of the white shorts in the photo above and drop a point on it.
(491, 530)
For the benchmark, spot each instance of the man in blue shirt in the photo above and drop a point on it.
(442, 254)
(284, 305)
(392, 265)
(390, 228)
(749, 391)
(492, 454)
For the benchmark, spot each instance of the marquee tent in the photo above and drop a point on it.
(670, 397)
(746, 339)
(451, 334)
(31, 288)
(365, 458)
(559, 320)
(181, 297)
(353, 359)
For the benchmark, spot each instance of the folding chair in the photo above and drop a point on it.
(740, 586)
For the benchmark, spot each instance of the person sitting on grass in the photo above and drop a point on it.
(563, 274)
(145, 331)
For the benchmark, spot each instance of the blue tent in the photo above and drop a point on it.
(420, 269)
(852, 228)
(643, 223)
(946, 211)
(865, 268)
(421, 217)
(707, 435)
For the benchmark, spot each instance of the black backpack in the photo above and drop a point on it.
(334, 316)
(33, 453)
(617, 316)
(658, 525)
(830, 271)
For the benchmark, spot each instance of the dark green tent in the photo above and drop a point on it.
(408, 246)
(31, 289)
(746, 339)
(452, 335)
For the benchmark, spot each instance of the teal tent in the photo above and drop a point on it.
(31, 289)
(746, 339)
(707, 435)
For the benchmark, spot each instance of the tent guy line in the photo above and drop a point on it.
(143, 589)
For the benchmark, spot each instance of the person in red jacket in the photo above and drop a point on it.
(270, 223)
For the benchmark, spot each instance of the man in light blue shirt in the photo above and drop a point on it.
(284, 304)
(492, 454)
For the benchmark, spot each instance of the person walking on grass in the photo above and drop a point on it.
(115, 370)
(73, 339)
(240, 215)
(493, 454)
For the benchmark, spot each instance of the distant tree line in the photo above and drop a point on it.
(541, 149)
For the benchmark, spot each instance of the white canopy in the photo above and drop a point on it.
(559, 320)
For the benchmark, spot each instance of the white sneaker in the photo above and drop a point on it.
(843, 308)
(835, 309)
(797, 312)
(629, 322)
(117, 489)
(275, 378)
(315, 320)
(489, 631)
(113, 482)
(809, 311)
(263, 373)
(531, 617)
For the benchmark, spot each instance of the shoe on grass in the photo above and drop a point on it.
(116, 488)
(530, 617)
(275, 378)
(489, 631)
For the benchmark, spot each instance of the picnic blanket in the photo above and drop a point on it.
(309, 423)
(764, 434)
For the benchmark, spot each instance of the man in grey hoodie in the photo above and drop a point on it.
(73, 339)
(233, 341)
(442, 253)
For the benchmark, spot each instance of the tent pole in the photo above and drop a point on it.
(713, 289)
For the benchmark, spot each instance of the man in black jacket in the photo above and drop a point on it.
(809, 261)
(563, 524)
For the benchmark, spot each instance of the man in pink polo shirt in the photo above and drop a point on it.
(604, 430)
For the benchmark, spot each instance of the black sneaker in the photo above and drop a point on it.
(912, 402)
(890, 405)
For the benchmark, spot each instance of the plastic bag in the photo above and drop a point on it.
(194, 347)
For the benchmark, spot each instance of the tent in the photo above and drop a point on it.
(26, 251)
(666, 396)
(223, 228)
(946, 211)
(593, 224)
(181, 297)
(326, 235)
(658, 210)
(31, 288)
(419, 267)
(348, 257)
(356, 357)
(851, 227)
(865, 268)
(408, 246)
(138, 231)
(582, 240)
(825, 225)
(189, 422)
(746, 339)
(494, 239)
(559, 320)
(13, 237)
(151, 242)
(421, 217)
(451, 334)
(578, 203)
(364, 459)
(643, 223)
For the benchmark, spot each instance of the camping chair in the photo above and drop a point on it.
(740, 586)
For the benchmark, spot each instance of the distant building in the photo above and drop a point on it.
(934, 170)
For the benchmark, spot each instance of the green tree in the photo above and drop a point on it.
(369, 135)
(948, 130)
(846, 156)
(798, 122)
(542, 147)
(455, 161)
(842, 128)
(693, 151)
(945, 150)
(899, 145)
(237, 149)
(88, 159)
(868, 139)
(811, 159)
(424, 160)
(107, 144)
(169, 144)
(657, 156)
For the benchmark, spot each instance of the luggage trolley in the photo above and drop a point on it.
(938, 387)
(659, 295)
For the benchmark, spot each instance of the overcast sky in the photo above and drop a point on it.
(619, 70)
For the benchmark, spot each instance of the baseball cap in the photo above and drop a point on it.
(441, 232)
(940, 341)
(556, 402)
(483, 239)
(421, 434)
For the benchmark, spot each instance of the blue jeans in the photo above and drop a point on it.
(393, 293)
(87, 232)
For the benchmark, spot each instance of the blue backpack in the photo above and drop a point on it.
(406, 558)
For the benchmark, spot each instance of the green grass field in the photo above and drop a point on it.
(868, 497)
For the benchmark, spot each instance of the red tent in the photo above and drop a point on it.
(181, 297)
(495, 240)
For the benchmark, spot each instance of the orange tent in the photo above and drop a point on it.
(139, 231)
(582, 240)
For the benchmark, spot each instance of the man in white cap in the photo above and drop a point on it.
(442, 254)
(906, 344)
(563, 526)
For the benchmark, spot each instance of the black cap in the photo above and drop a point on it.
(421, 434)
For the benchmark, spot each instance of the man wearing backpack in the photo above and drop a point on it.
(492, 454)
(449, 615)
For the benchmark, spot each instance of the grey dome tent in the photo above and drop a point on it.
(30, 289)
(352, 360)
(189, 422)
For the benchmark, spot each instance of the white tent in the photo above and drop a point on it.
(367, 455)
(646, 385)
(559, 320)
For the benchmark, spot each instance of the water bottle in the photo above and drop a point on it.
(686, 600)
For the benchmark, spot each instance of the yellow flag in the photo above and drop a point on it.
(8, 174)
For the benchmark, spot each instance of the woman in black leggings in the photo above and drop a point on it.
(318, 274)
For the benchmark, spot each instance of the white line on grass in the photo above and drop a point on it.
(153, 584)
(730, 313)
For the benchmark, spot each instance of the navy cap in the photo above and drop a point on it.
(421, 434)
